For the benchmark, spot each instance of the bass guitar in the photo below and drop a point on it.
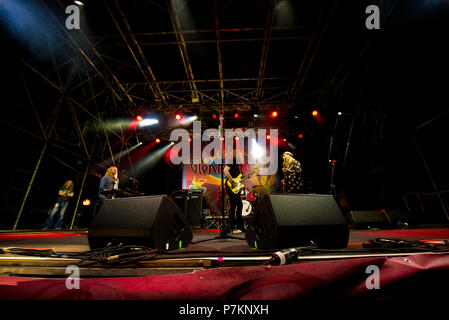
(236, 184)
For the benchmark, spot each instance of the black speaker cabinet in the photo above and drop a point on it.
(190, 201)
(367, 219)
(151, 221)
(290, 220)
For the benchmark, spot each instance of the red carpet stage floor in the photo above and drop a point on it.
(227, 269)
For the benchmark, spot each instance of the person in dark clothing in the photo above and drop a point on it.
(108, 183)
(65, 193)
(232, 171)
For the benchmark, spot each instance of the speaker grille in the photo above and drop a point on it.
(290, 220)
(153, 221)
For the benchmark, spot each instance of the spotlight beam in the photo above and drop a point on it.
(154, 85)
(176, 22)
(220, 65)
(265, 46)
(151, 160)
(147, 122)
(115, 157)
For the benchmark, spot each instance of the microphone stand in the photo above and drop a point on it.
(333, 191)
(332, 186)
(224, 230)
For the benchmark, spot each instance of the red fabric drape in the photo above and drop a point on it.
(340, 279)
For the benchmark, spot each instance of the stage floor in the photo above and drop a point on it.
(76, 240)
(206, 244)
(235, 270)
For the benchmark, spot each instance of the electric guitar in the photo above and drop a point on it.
(236, 184)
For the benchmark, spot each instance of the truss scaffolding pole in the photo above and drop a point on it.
(86, 171)
(429, 173)
(33, 177)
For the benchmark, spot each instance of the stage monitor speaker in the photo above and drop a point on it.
(151, 221)
(368, 219)
(290, 220)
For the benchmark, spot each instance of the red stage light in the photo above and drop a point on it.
(214, 116)
(236, 115)
(178, 117)
(158, 140)
(300, 136)
(314, 113)
(274, 114)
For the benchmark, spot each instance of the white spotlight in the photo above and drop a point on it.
(79, 3)
(148, 122)
(188, 120)
(256, 150)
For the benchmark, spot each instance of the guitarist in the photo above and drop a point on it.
(65, 193)
(232, 171)
(293, 181)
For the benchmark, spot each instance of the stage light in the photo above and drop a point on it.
(300, 136)
(178, 117)
(314, 113)
(256, 150)
(158, 140)
(148, 122)
(268, 137)
(256, 111)
(190, 139)
(187, 120)
(79, 3)
(86, 202)
(236, 138)
(274, 114)
(139, 118)
(236, 115)
(339, 113)
(214, 116)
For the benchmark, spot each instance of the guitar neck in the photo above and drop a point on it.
(248, 175)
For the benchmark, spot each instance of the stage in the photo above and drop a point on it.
(228, 269)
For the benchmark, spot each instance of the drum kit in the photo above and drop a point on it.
(249, 199)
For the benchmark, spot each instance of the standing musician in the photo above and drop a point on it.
(65, 193)
(108, 184)
(293, 181)
(232, 171)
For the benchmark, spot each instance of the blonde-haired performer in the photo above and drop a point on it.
(108, 183)
(65, 193)
(293, 181)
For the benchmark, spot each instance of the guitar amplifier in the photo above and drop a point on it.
(190, 201)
